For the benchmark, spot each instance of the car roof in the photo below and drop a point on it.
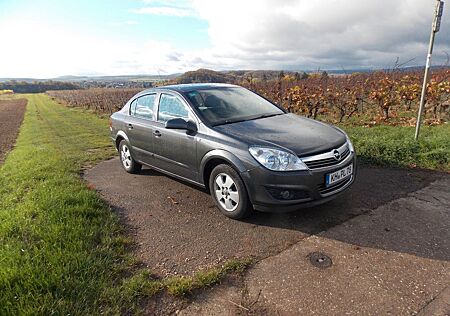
(190, 87)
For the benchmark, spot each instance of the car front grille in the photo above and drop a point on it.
(327, 159)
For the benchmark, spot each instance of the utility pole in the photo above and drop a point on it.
(434, 29)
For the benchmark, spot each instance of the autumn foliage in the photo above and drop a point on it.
(384, 97)
(100, 100)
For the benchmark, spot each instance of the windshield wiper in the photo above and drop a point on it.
(266, 115)
(247, 119)
(230, 122)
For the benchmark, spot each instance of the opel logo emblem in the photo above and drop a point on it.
(336, 154)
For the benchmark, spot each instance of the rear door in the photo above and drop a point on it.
(140, 127)
(175, 150)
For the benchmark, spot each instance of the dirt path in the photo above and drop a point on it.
(11, 116)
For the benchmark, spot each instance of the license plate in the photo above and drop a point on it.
(339, 175)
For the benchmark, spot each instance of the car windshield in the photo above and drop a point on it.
(229, 105)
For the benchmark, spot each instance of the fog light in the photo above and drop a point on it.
(285, 194)
(291, 194)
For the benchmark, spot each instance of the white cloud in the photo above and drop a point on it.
(171, 3)
(61, 51)
(166, 11)
(251, 34)
(326, 33)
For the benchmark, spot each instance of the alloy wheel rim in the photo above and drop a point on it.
(226, 192)
(126, 156)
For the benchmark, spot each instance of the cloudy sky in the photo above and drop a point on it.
(49, 38)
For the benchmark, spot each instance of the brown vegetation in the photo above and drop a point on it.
(363, 98)
(11, 115)
(100, 100)
(387, 97)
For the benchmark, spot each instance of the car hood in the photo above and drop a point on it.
(301, 135)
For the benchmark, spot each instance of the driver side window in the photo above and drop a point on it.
(171, 107)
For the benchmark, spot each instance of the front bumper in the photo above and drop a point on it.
(309, 187)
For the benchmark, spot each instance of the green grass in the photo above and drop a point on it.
(62, 250)
(130, 295)
(181, 286)
(60, 245)
(395, 146)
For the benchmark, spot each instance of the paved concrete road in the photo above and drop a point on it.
(388, 239)
(394, 260)
(178, 229)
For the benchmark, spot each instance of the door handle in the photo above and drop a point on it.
(130, 126)
(157, 133)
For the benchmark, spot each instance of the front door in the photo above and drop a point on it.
(175, 150)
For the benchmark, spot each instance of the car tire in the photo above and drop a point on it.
(127, 161)
(229, 192)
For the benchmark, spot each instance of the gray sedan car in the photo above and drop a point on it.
(248, 152)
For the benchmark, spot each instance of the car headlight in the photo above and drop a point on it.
(350, 144)
(277, 160)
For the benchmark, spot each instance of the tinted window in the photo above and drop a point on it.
(171, 107)
(227, 105)
(144, 106)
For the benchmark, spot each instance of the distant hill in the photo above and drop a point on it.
(257, 74)
(22, 79)
(200, 75)
(123, 78)
(204, 75)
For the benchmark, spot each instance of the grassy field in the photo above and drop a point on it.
(60, 246)
(62, 250)
(395, 146)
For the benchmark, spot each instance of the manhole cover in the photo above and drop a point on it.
(320, 260)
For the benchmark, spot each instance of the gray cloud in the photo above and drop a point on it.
(329, 33)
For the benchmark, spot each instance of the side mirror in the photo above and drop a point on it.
(179, 123)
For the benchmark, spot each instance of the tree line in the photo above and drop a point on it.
(36, 86)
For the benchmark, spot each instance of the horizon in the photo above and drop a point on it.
(166, 37)
(309, 71)
(174, 75)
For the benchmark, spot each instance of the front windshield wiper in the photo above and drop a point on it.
(230, 122)
(248, 118)
(265, 115)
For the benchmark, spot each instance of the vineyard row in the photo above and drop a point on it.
(360, 98)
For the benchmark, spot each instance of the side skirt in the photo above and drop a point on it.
(201, 185)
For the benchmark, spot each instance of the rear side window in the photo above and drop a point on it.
(171, 107)
(143, 106)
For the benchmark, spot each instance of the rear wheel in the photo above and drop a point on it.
(128, 163)
(229, 192)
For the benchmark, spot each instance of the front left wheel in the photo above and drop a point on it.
(128, 163)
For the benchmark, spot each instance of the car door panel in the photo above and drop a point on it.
(140, 128)
(175, 150)
(139, 132)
